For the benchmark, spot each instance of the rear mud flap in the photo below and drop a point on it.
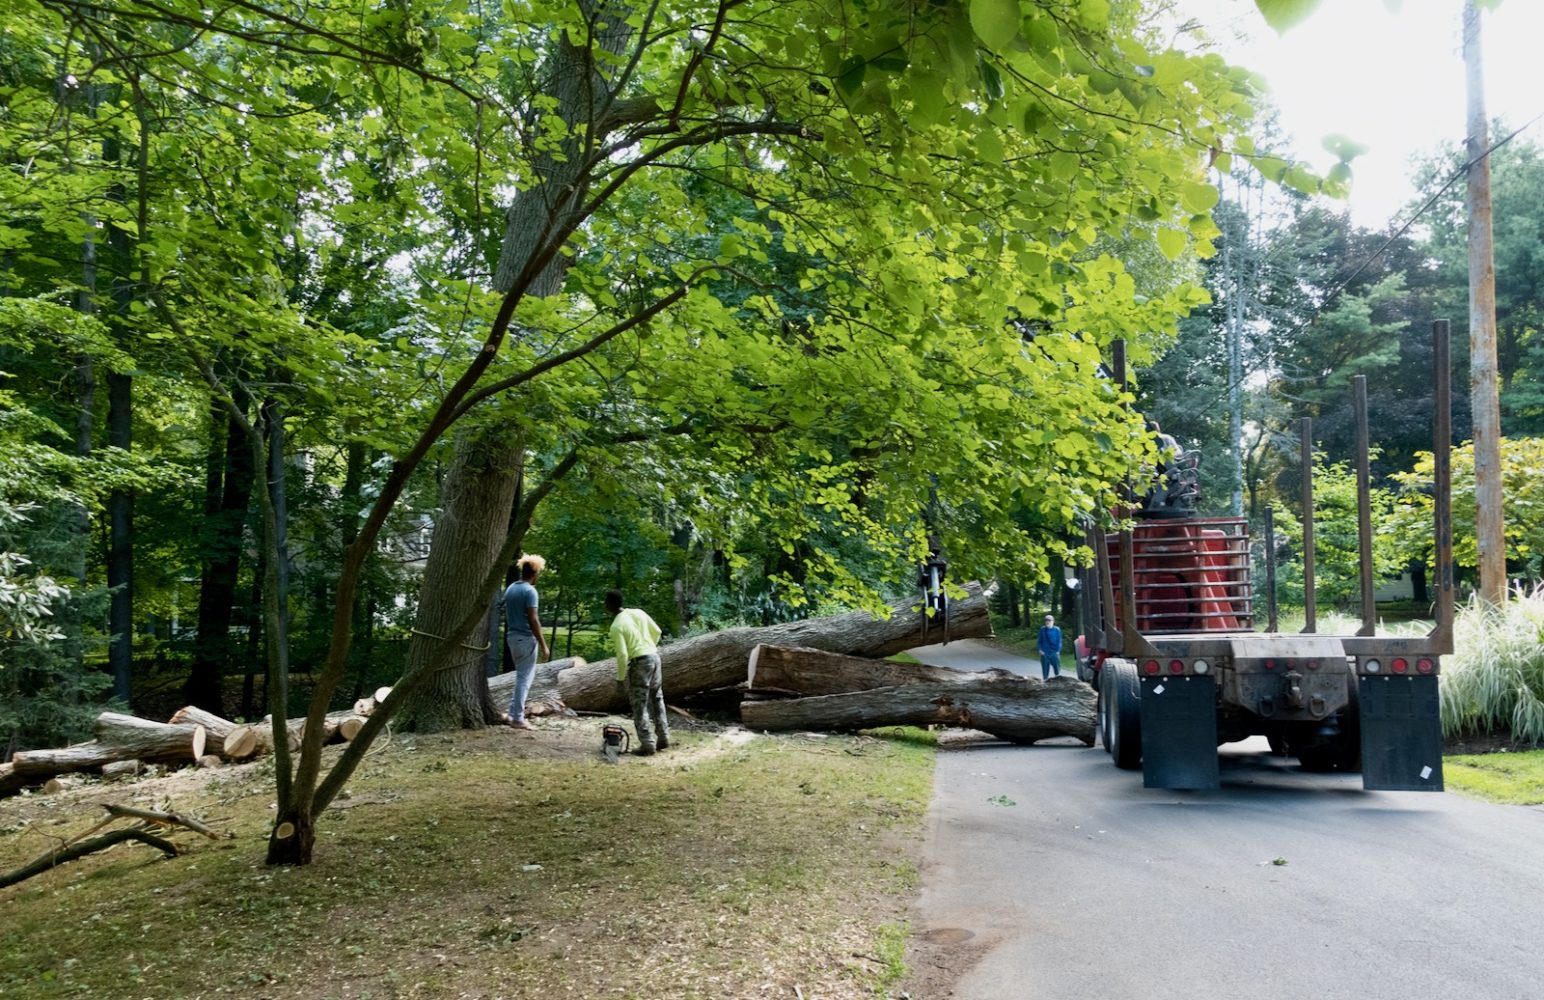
(1179, 732)
(1401, 734)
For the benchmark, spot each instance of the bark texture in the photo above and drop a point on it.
(803, 671)
(1017, 709)
(544, 697)
(478, 494)
(719, 659)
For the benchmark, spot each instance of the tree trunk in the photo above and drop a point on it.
(805, 672)
(457, 696)
(544, 686)
(228, 490)
(718, 659)
(479, 492)
(118, 737)
(120, 555)
(1017, 709)
(293, 838)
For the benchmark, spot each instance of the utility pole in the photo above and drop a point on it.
(1483, 371)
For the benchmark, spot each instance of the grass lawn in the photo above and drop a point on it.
(496, 864)
(1516, 778)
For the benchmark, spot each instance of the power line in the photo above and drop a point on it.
(1453, 179)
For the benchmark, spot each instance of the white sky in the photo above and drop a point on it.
(1392, 81)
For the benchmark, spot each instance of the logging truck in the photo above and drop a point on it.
(1170, 645)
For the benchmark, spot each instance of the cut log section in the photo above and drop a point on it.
(122, 769)
(1017, 709)
(803, 671)
(216, 729)
(242, 742)
(118, 737)
(543, 698)
(718, 659)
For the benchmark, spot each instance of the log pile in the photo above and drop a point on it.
(124, 744)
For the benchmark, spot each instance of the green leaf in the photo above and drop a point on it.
(1171, 242)
(996, 22)
(989, 146)
(850, 76)
(1346, 148)
(1198, 197)
(1283, 14)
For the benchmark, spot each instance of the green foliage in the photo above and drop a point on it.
(1337, 559)
(1522, 484)
(1494, 681)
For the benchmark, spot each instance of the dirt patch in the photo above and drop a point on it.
(1485, 743)
(938, 958)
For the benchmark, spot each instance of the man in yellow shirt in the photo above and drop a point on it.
(636, 640)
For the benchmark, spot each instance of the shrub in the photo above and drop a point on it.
(1494, 681)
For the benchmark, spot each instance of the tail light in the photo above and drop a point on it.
(1425, 665)
(1313, 664)
(1400, 665)
(1201, 667)
(1151, 666)
(1372, 666)
(1176, 666)
(1270, 664)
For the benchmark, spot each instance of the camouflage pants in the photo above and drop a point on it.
(646, 695)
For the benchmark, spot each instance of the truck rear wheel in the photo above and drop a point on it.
(1102, 706)
(1125, 713)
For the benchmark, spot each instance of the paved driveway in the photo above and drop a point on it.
(1049, 874)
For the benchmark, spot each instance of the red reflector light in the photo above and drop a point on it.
(1400, 665)
(1270, 664)
(1151, 666)
(1313, 664)
(1176, 666)
(1425, 665)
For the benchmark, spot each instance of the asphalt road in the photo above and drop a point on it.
(1049, 874)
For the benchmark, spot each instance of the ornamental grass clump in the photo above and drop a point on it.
(1494, 681)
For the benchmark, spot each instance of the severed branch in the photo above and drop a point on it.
(159, 819)
(81, 848)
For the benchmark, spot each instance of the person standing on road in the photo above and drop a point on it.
(636, 640)
(525, 637)
(1050, 643)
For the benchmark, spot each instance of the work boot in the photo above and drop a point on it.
(645, 750)
(663, 743)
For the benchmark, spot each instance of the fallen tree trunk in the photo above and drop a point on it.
(1017, 709)
(118, 737)
(544, 697)
(718, 659)
(804, 672)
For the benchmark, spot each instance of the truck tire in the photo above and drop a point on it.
(1125, 690)
(1102, 706)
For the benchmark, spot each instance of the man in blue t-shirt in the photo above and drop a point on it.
(1050, 649)
(525, 638)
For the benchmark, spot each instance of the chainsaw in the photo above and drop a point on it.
(614, 741)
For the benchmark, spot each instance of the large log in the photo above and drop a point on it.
(216, 729)
(1017, 709)
(803, 671)
(543, 698)
(118, 737)
(718, 659)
